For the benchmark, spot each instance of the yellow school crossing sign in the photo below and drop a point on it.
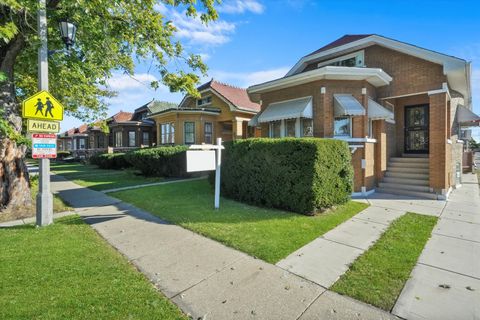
(42, 106)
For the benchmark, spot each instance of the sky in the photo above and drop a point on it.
(259, 40)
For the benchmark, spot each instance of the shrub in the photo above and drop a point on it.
(114, 161)
(301, 175)
(167, 161)
(63, 154)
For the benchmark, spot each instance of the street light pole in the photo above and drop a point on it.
(44, 199)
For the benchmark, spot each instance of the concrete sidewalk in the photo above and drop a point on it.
(445, 283)
(206, 279)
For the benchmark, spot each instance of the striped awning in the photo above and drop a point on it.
(376, 111)
(466, 118)
(290, 109)
(347, 105)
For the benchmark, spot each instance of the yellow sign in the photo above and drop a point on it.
(42, 106)
(43, 126)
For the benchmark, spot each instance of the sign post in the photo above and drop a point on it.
(207, 157)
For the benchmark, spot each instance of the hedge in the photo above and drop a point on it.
(302, 175)
(114, 161)
(167, 161)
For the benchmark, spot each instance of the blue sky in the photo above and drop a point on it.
(259, 40)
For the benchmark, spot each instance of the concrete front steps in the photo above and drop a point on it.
(408, 176)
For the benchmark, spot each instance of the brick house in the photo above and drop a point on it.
(221, 111)
(74, 140)
(400, 107)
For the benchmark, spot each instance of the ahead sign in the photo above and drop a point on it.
(44, 146)
(42, 126)
(43, 106)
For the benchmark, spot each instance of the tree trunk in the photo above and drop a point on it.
(14, 180)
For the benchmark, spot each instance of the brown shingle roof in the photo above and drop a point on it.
(122, 116)
(341, 41)
(236, 96)
(83, 128)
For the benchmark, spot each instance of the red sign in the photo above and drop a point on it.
(44, 146)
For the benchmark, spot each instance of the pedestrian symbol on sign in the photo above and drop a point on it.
(42, 106)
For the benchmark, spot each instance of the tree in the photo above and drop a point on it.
(112, 35)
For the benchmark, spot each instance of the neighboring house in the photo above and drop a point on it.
(222, 111)
(74, 140)
(131, 130)
(400, 107)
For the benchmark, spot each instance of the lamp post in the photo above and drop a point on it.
(44, 212)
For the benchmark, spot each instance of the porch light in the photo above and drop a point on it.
(68, 31)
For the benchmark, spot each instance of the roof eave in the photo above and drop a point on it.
(375, 76)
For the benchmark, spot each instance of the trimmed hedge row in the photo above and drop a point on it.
(160, 161)
(301, 175)
(114, 161)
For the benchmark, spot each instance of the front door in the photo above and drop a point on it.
(416, 129)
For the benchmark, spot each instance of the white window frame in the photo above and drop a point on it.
(167, 133)
(358, 55)
(80, 145)
(184, 132)
(350, 127)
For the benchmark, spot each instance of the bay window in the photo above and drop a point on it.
(189, 132)
(342, 127)
(290, 127)
(167, 133)
(208, 132)
(132, 138)
(118, 139)
(275, 129)
(307, 127)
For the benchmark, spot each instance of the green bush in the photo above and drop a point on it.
(114, 161)
(63, 154)
(301, 175)
(167, 161)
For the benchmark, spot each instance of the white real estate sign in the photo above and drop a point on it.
(200, 160)
(207, 157)
(44, 146)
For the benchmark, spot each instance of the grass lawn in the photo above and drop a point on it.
(100, 179)
(66, 271)
(265, 233)
(378, 276)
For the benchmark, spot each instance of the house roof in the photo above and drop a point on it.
(340, 41)
(122, 116)
(82, 129)
(158, 106)
(238, 97)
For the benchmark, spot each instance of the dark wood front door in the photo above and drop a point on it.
(416, 129)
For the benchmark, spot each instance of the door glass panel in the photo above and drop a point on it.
(416, 129)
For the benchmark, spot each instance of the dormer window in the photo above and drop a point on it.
(204, 101)
(355, 59)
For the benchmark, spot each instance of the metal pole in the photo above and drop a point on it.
(218, 153)
(44, 215)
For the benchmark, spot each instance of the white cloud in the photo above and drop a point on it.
(241, 6)
(246, 79)
(194, 30)
(121, 81)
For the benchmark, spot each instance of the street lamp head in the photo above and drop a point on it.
(68, 31)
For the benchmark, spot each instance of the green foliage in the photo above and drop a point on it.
(6, 130)
(379, 275)
(161, 161)
(301, 175)
(63, 154)
(82, 276)
(111, 37)
(115, 161)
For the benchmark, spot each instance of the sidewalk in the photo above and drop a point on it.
(445, 283)
(206, 279)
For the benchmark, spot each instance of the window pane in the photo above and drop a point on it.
(307, 127)
(146, 138)
(208, 132)
(342, 126)
(131, 138)
(172, 133)
(189, 130)
(275, 129)
(290, 127)
(118, 139)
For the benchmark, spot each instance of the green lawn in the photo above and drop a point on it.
(265, 233)
(378, 276)
(100, 179)
(66, 271)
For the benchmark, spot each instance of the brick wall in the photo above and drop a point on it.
(439, 162)
(410, 74)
